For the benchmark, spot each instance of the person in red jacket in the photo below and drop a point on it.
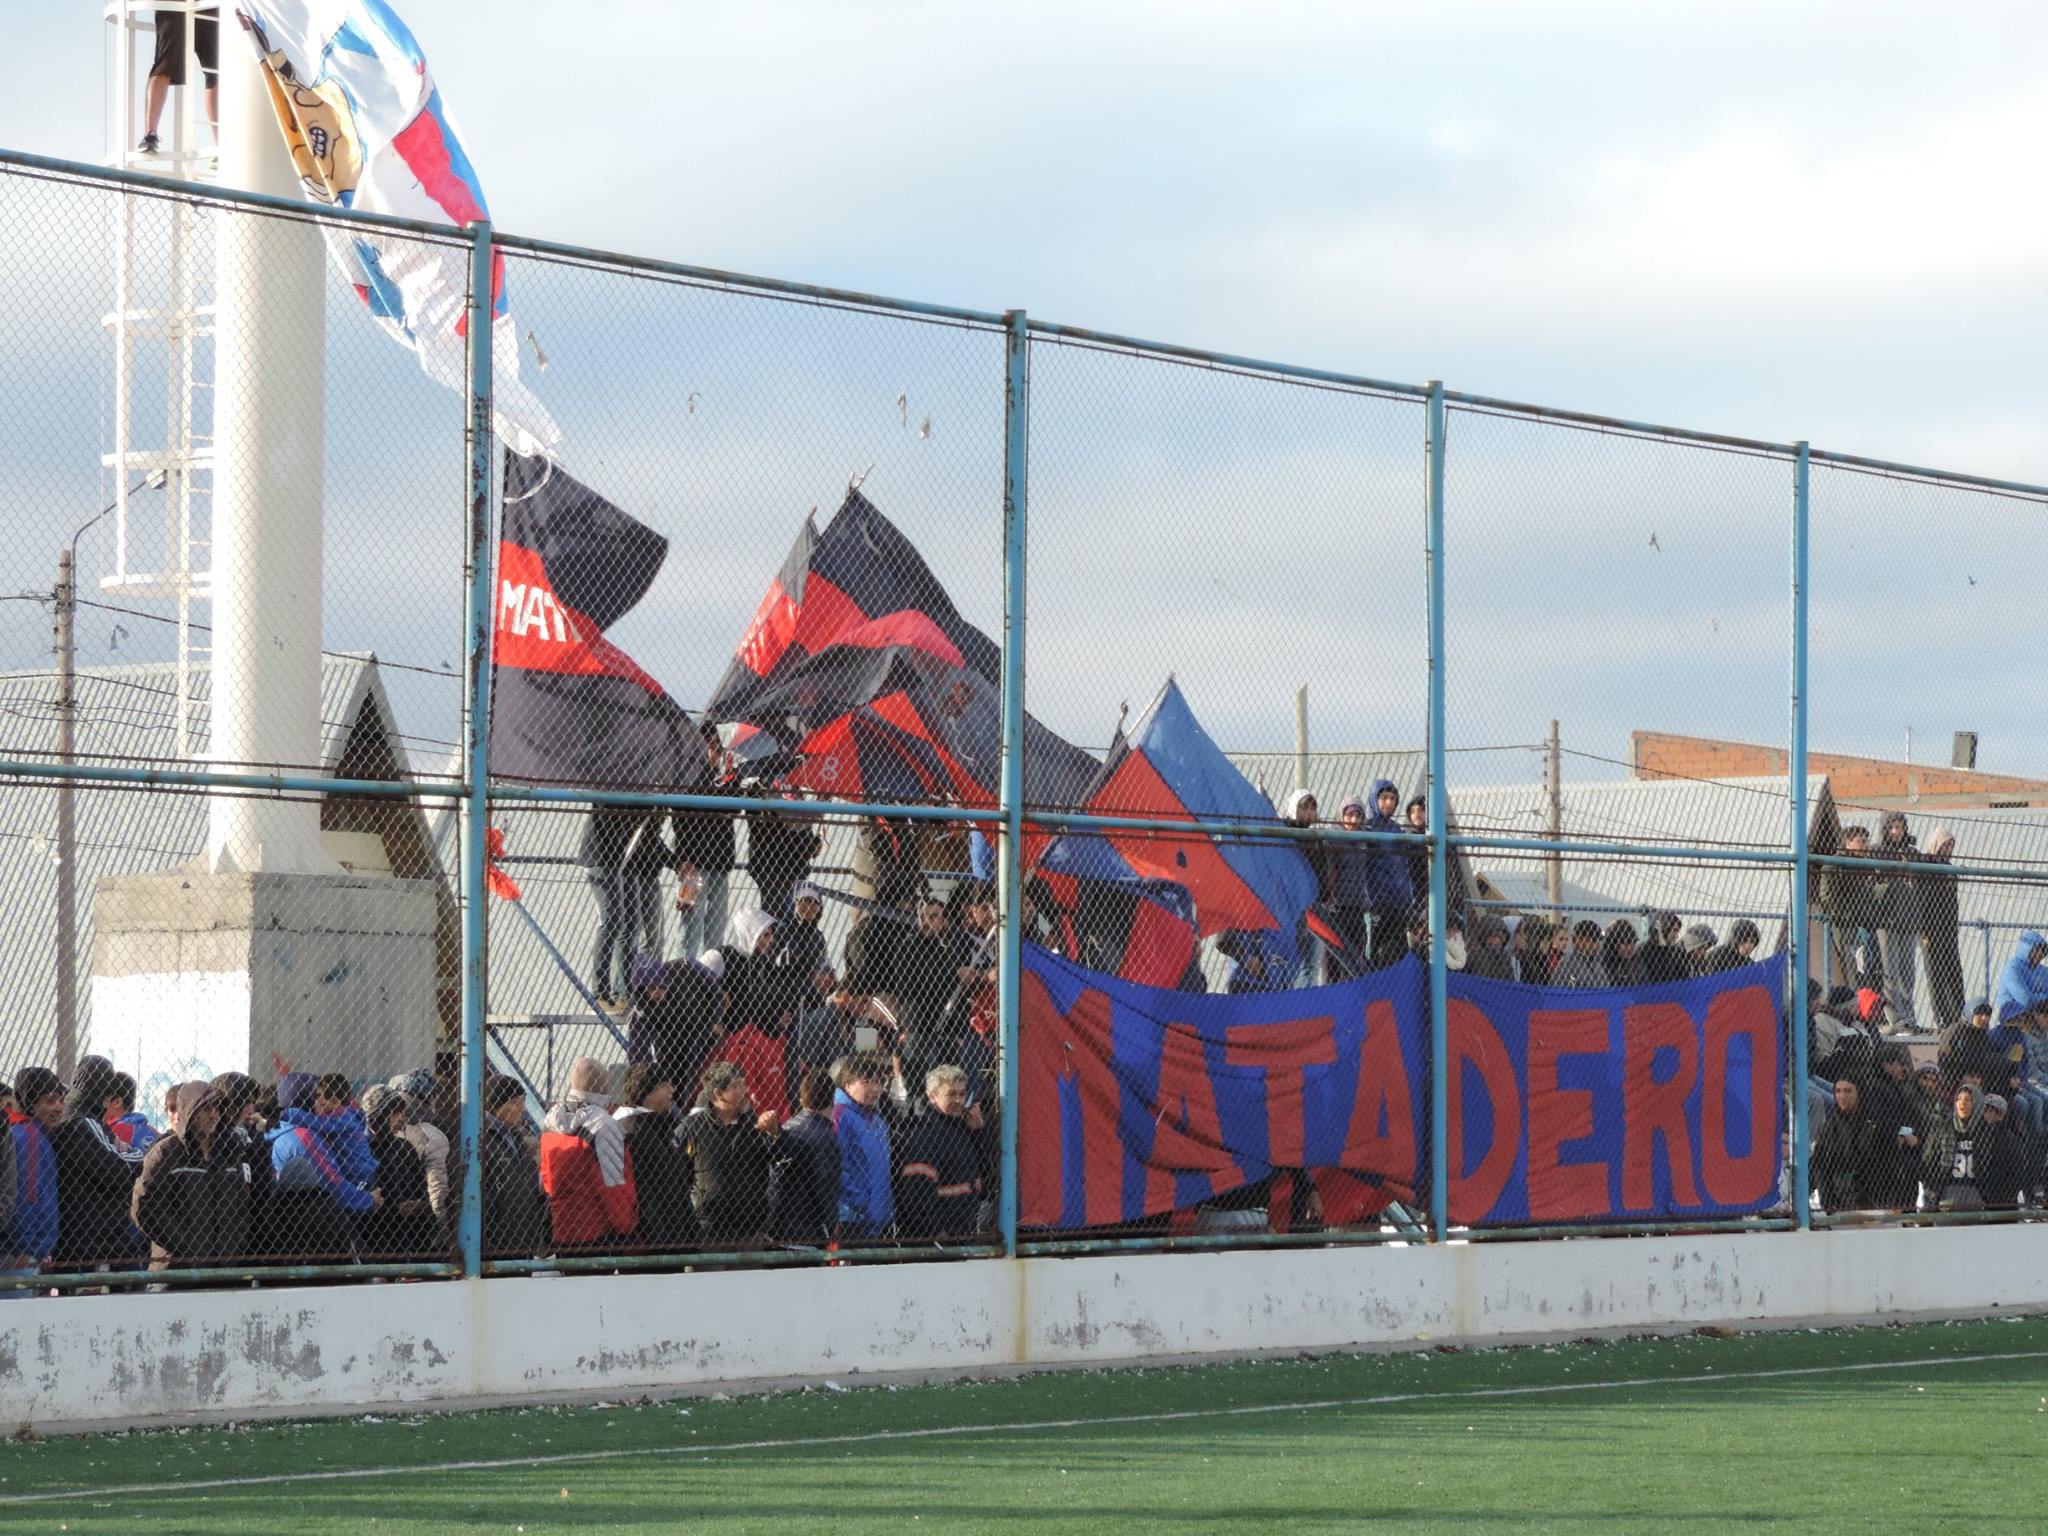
(586, 1168)
(760, 1056)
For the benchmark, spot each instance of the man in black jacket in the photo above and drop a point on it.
(705, 848)
(780, 848)
(803, 1181)
(938, 1187)
(95, 1175)
(192, 1200)
(515, 1210)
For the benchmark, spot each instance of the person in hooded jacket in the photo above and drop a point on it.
(2023, 978)
(1740, 950)
(1392, 890)
(661, 1168)
(1621, 957)
(192, 1199)
(1898, 912)
(95, 1174)
(1581, 968)
(586, 1168)
(37, 1215)
(241, 1124)
(679, 1013)
(1663, 956)
(1952, 1170)
(427, 1139)
(1417, 857)
(2001, 1161)
(1846, 1153)
(403, 1225)
(1488, 954)
(749, 967)
(1895, 1109)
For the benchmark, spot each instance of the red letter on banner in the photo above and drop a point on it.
(1283, 1052)
(1188, 1133)
(1058, 1047)
(1382, 1089)
(1475, 1043)
(1650, 1108)
(1745, 1180)
(1559, 1191)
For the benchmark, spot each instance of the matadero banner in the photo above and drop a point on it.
(1566, 1106)
(1571, 1105)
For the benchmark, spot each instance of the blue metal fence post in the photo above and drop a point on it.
(476, 740)
(1795, 768)
(1439, 845)
(1010, 849)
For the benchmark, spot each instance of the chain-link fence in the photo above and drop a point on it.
(807, 922)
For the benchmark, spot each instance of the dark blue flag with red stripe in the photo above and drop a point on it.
(1168, 768)
(567, 705)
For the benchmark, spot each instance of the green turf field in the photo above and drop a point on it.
(1880, 1428)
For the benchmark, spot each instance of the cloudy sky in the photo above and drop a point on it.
(1783, 220)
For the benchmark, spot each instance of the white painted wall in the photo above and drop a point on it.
(80, 1360)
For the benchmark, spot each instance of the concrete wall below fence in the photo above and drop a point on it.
(68, 1362)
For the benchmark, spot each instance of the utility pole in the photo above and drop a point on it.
(67, 825)
(1301, 738)
(1553, 862)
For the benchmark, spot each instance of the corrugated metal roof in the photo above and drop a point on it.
(130, 713)
(1334, 777)
(1733, 813)
(127, 714)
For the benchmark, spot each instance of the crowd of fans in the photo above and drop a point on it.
(1966, 1130)
(771, 1096)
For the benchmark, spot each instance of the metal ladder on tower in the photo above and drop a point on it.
(162, 328)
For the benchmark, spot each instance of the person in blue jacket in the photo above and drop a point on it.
(2023, 979)
(32, 1233)
(313, 1204)
(1387, 878)
(322, 1105)
(867, 1193)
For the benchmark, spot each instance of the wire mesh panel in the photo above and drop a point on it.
(1634, 591)
(1928, 975)
(172, 463)
(805, 551)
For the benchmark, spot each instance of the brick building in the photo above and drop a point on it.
(1855, 781)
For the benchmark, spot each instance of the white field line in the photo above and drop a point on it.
(951, 1431)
